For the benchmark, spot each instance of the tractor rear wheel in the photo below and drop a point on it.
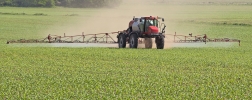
(160, 42)
(133, 41)
(148, 42)
(122, 41)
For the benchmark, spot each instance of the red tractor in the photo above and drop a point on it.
(143, 27)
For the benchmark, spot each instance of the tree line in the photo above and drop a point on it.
(64, 3)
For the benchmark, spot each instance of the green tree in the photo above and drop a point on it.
(65, 3)
(6, 2)
(50, 3)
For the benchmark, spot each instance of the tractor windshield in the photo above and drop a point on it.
(145, 23)
(152, 23)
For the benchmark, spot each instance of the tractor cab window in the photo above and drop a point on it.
(151, 22)
(155, 23)
(143, 20)
(145, 23)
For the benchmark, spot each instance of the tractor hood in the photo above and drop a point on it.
(152, 30)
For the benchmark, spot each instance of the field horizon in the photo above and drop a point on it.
(186, 71)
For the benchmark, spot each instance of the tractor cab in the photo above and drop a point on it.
(149, 25)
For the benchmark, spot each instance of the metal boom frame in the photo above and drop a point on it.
(199, 39)
(107, 38)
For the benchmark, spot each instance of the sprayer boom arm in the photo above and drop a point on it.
(107, 38)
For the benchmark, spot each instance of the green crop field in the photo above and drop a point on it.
(221, 72)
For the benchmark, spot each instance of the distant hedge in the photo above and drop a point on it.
(65, 3)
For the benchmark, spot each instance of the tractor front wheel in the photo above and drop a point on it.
(133, 41)
(122, 41)
(160, 42)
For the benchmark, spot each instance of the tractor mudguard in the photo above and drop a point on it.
(118, 35)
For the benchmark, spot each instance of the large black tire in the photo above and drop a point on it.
(122, 41)
(148, 42)
(160, 42)
(133, 41)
